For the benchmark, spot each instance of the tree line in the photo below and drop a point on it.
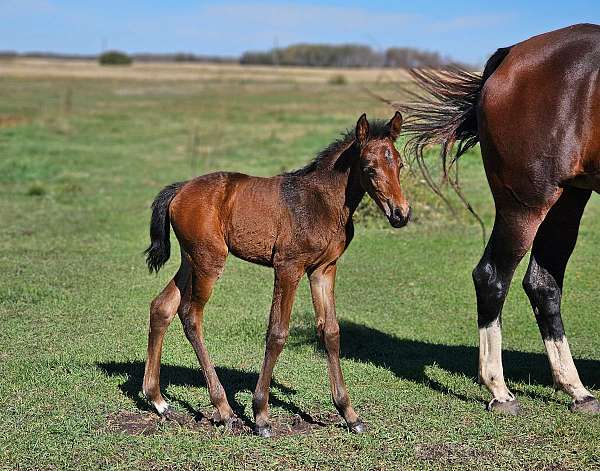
(347, 55)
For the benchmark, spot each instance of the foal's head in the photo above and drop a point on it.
(380, 165)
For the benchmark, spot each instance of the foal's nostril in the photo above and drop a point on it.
(397, 213)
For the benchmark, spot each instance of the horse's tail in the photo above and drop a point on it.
(444, 112)
(159, 250)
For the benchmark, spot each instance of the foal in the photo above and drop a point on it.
(298, 222)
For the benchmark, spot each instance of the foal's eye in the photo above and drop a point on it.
(388, 155)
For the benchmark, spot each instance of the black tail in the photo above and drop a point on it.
(159, 250)
(444, 112)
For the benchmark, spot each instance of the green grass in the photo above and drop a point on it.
(75, 187)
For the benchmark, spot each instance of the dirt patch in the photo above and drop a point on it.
(132, 423)
(12, 121)
(556, 467)
(149, 423)
(305, 424)
(448, 453)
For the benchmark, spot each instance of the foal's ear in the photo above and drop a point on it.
(362, 130)
(395, 125)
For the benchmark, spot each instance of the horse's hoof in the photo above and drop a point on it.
(264, 432)
(357, 427)
(506, 407)
(587, 405)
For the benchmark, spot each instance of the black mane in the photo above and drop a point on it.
(378, 129)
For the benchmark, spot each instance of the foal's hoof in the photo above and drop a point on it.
(264, 431)
(587, 405)
(506, 407)
(357, 427)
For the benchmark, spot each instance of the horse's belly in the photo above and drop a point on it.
(253, 243)
(252, 233)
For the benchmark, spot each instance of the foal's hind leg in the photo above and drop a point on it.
(543, 284)
(162, 311)
(206, 270)
(513, 233)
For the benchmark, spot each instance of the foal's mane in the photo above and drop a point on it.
(378, 129)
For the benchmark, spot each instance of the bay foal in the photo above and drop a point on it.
(536, 113)
(297, 223)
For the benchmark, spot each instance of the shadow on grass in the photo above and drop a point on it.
(233, 381)
(408, 359)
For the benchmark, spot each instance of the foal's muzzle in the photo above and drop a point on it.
(397, 219)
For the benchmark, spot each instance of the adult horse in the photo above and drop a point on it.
(536, 113)
(299, 222)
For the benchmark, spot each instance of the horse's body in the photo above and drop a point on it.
(297, 223)
(536, 113)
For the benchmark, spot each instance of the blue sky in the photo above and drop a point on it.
(465, 30)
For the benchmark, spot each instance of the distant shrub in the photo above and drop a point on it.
(114, 58)
(36, 190)
(338, 79)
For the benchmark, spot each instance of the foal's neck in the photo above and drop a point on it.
(338, 177)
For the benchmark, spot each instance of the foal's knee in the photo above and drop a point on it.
(277, 337)
(331, 336)
(491, 290)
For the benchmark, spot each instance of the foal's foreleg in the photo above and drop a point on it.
(543, 284)
(162, 311)
(512, 236)
(286, 282)
(322, 286)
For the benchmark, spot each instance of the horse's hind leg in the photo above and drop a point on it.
(162, 311)
(206, 270)
(513, 233)
(543, 284)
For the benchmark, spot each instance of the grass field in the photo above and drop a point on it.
(80, 162)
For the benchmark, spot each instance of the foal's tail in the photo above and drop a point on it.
(159, 250)
(444, 112)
